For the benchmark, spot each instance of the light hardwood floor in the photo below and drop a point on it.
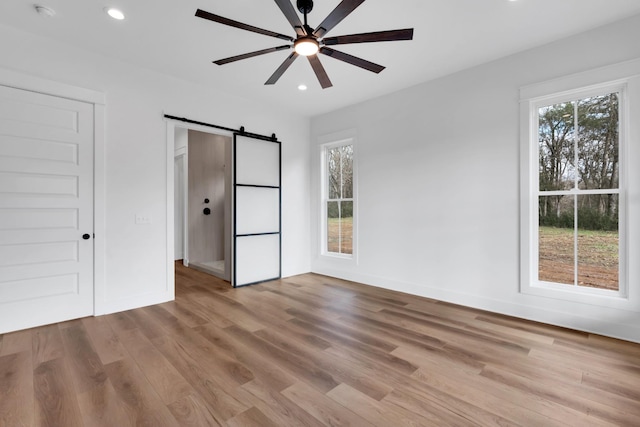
(312, 351)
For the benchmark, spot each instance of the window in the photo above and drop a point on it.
(574, 239)
(578, 192)
(338, 201)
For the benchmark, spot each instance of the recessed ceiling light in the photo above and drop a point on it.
(114, 13)
(45, 11)
(302, 87)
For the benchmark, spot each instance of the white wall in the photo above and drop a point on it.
(136, 158)
(429, 157)
(207, 180)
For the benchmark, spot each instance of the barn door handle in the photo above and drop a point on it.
(86, 236)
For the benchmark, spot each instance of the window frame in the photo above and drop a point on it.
(324, 196)
(568, 89)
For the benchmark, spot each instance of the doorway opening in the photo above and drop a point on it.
(202, 201)
(242, 186)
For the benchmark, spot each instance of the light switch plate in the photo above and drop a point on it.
(143, 219)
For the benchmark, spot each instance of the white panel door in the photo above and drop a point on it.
(256, 210)
(46, 209)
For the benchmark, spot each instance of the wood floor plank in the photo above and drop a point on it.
(101, 407)
(199, 308)
(55, 396)
(232, 312)
(500, 330)
(350, 332)
(85, 366)
(324, 409)
(191, 411)
(252, 417)
(625, 387)
(443, 409)
(224, 343)
(145, 324)
(228, 370)
(533, 327)
(335, 364)
(377, 413)
(16, 389)
(16, 342)
(143, 405)
(46, 344)
(222, 402)
(391, 361)
(120, 321)
(290, 362)
(164, 378)
(104, 340)
(570, 395)
(187, 316)
(275, 406)
(506, 401)
(170, 323)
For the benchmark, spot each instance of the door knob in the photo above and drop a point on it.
(206, 211)
(86, 236)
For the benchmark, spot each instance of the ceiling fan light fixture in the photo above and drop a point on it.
(114, 13)
(306, 46)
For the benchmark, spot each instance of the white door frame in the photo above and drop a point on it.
(36, 84)
(170, 149)
(181, 155)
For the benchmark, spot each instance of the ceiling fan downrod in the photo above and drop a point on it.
(305, 6)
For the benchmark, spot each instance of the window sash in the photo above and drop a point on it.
(327, 199)
(574, 291)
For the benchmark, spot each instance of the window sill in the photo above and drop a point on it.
(596, 297)
(337, 256)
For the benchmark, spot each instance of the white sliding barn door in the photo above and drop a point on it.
(256, 210)
(46, 209)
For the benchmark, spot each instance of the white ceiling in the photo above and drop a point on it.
(450, 35)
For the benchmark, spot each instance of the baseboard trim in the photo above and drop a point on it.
(137, 301)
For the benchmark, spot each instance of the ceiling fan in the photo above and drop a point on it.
(309, 41)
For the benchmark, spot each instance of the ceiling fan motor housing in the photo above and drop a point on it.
(304, 6)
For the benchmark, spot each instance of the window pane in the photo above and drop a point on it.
(598, 250)
(333, 226)
(333, 172)
(340, 227)
(556, 239)
(598, 142)
(347, 171)
(346, 228)
(556, 147)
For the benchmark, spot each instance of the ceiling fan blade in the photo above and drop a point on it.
(251, 54)
(281, 69)
(338, 14)
(321, 74)
(292, 16)
(378, 36)
(230, 22)
(353, 60)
